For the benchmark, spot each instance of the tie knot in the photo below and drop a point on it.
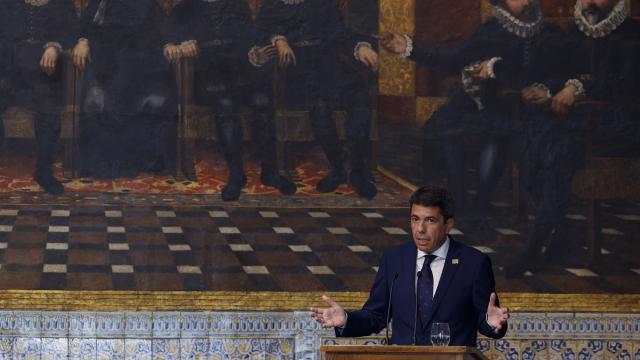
(428, 259)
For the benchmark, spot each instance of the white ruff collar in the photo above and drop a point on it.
(292, 2)
(36, 2)
(518, 27)
(617, 16)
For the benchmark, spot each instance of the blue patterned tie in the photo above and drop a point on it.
(425, 289)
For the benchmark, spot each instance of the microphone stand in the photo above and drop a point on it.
(415, 321)
(393, 283)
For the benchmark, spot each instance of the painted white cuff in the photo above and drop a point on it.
(490, 66)
(253, 57)
(53, 44)
(275, 38)
(357, 47)
(543, 87)
(409, 48)
(580, 92)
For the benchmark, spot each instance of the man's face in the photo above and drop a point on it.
(428, 227)
(596, 10)
(521, 9)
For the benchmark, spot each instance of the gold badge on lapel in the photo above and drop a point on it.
(455, 261)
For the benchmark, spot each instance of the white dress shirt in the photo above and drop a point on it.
(437, 265)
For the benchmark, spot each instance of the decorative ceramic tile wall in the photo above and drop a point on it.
(283, 335)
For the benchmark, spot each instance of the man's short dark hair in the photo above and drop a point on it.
(434, 196)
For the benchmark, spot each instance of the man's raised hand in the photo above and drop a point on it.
(496, 317)
(333, 316)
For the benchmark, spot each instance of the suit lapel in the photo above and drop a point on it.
(448, 274)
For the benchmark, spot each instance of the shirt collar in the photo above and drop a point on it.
(441, 252)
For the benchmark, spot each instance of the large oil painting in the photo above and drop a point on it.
(254, 154)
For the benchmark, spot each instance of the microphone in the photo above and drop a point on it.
(415, 320)
(393, 283)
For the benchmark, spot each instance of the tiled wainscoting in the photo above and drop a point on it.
(283, 335)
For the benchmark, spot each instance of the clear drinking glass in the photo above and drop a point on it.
(440, 334)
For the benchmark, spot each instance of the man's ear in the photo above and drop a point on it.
(449, 224)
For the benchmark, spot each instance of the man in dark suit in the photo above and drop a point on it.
(449, 281)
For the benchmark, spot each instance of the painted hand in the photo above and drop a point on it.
(263, 54)
(564, 100)
(481, 72)
(48, 60)
(285, 53)
(81, 54)
(367, 56)
(534, 95)
(394, 42)
(190, 49)
(172, 53)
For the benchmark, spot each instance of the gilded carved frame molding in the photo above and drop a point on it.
(280, 301)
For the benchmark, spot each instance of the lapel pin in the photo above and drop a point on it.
(455, 261)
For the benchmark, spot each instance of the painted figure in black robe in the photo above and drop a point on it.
(36, 32)
(308, 35)
(357, 88)
(508, 54)
(220, 33)
(129, 100)
(602, 56)
(259, 98)
(6, 89)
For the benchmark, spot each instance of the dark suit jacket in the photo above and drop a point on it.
(461, 298)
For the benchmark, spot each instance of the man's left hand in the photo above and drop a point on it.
(496, 317)
(367, 56)
(48, 60)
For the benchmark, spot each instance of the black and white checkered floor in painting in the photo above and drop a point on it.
(180, 247)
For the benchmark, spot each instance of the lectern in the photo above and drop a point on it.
(392, 352)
